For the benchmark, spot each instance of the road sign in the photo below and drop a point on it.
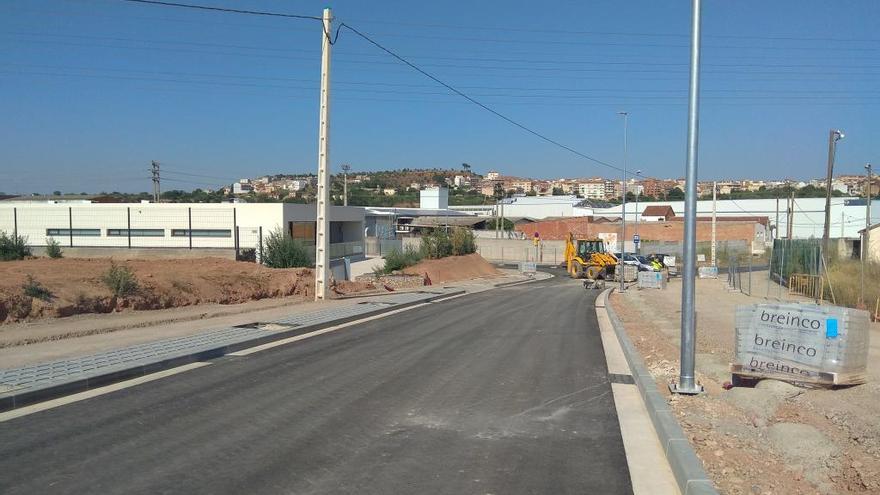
(636, 239)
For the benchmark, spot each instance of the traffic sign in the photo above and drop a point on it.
(636, 239)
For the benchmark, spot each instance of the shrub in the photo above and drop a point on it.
(436, 245)
(53, 248)
(463, 241)
(398, 260)
(13, 247)
(283, 251)
(120, 280)
(35, 289)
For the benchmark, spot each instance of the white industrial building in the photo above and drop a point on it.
(536, 207)
(847, 214)
(178, 225)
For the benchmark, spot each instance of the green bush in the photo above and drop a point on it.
(463, 241)
(398, 260)
(13, 247)
(35, 289)
(283, 251)
(120, 280)
(436, 245)
(53, 248)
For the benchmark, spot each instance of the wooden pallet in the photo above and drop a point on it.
(742, 374)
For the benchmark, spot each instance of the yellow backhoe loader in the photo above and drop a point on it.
(587, 258)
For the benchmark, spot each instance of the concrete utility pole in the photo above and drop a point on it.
(345, 168)
(623, 204)
(790, 225)
(322, 239)
(775, 231)
(638, 192)
(156, 179)
(834, 136)
(686, 380)
(714, 214)
(866, 237)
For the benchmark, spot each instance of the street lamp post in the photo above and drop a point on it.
(867, 235)
(687, 383)
(834, 136)
(623, 204)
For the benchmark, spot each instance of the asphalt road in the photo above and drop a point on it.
(501, 392)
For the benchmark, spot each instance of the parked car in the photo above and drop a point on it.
(640, 261)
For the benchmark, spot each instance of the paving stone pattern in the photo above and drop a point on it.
(34, 377)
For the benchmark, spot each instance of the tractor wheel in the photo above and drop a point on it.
(577, 270)
(593, 272)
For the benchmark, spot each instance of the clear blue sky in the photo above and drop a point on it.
(92, 90)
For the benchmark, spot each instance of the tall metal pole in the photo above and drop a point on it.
(833, 136)
(714, 215)
(686, 380)
(865, 252)
(623, 204)
(322, 240)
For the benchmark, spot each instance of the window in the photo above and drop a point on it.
(76, 232)
(201, 233)
(136, 232)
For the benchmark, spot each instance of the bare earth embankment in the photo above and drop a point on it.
(772, 439)
(75, 286)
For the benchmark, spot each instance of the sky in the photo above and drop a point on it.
(93, 90)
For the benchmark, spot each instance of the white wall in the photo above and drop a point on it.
(33, 220)
(809, 214)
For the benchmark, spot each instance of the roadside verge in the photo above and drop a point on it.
(686, 466)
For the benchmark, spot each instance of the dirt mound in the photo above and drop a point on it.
(454, 268)
(76, 286)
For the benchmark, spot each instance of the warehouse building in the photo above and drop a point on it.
(176, 229)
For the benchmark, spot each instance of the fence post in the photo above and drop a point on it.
(750, 274)
(15, 222)
(128, 222)
(189, 214)
(70, 224)
(770, 269)
(781, 269)
(261, 244)
(235, 233)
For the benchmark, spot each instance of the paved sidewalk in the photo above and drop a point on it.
(40, 381)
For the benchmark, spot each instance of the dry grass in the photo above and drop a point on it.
(844, 277)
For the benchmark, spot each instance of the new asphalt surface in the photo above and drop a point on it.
(500, 392)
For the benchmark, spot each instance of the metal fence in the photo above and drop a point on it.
(803, 256)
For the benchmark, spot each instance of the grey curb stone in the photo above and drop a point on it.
(686, 466)
(42, 382)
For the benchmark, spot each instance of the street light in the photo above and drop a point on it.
(834, 136)
(864, 254)
(623, 204)
(345, 168)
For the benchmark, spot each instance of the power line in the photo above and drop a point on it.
(223, 9)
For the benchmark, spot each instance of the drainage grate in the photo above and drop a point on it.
(269, 327)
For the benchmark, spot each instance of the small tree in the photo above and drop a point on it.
(398, 260)
(53, 248)
(120, 280)
(463, 241)
(283, 251)
(13, 247)
(436, 245)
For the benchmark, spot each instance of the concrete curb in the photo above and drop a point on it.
(686, 466)
(13, 401)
